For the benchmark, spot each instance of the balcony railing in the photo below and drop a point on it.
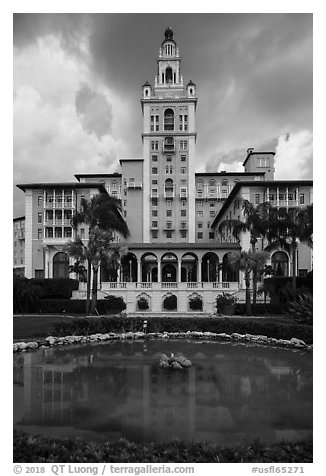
(169, 193)
(135, 185)
(132, 286)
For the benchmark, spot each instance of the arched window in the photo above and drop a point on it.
(280, 263)
(168, 75)
(60, 265)
(168, 120)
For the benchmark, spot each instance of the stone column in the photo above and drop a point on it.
(159, 278)
(118, 275)
(139, 277)
(179, 270)
(199, 271)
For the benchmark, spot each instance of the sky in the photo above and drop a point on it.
(78, 77)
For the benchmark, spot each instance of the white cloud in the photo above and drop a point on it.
(230, 167)
(293, 159)
(50, 143)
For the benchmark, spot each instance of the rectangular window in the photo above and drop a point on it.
(212, 203)
(257, 198)
(200, 203)
(292, 195)
(183, 213)
(169, 158)
(183, 203)
(168, 169)
(154, 213)
(211, 235)
(183, 145)
(183, 170)
(200, 235)
(183, 192)
(169, 234)
(169, 213)
(169, 203)
(183, 158)
(271, 197)
(169, 224)
(125, 192)
(39, 200)
(154, 182)
(200, 224)
(82, 233)
(39, 218)
(154, 158)
(154, 224)
(154, 170)
(39, 234)
(301, 198)
(154, 202)
(125, 203)
(281, 196)
(183, 234)
(183, 182)
(212, 213)
(154, 234)
(183, 224)
(200, 213)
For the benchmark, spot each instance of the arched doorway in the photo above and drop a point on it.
(149, 268)
(280, 263)
(210, 264)
(61, 265)
(169, 268)
(129, 268)
(229, 273)
(189, 268)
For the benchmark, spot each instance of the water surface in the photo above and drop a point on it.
(232, 393)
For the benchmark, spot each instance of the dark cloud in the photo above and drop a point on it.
(253, 73)
(94, 111)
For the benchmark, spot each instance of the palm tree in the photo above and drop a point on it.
(289, 228)
(256, 222)
(249, 262)
(103, 211)
(78, 269)
(100, 249)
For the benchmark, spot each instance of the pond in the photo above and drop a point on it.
(232, 393)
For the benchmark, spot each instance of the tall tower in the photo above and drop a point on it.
(169, 138)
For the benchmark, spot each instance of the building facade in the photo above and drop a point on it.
(19, 246)
(172, 212)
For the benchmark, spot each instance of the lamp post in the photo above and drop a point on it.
(130, 263)
(208, 271)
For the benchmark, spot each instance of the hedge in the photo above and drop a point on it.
(77, 306)
(39, 449)
(60, 288)
(243, 325)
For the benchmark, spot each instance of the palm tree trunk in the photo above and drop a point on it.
(94, 290)
(88, 288)
(294, 269)
(254, 274)
(248, 297)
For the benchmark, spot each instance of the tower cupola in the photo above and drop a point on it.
(147, 90)
(191, 89)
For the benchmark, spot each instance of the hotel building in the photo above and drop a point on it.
(172, 212)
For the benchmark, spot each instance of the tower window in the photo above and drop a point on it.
(168, 120)
(168, 75)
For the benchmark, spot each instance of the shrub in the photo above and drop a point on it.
(196, 303)
(142, 303)
(301, 308)
(26, 295)
(59, 288)
(224, 299)
(114, 303)
(170, 303)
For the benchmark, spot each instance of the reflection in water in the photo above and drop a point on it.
(232, 392)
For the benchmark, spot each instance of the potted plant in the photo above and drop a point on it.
(225, 303)
(142, 303)
(196, 303)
